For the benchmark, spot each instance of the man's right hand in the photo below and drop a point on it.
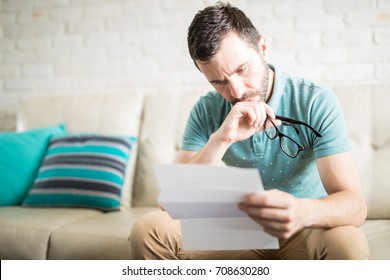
(244, 120)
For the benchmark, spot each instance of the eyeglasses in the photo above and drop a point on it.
(289, 144)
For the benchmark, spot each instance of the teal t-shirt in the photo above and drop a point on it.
(295, 98)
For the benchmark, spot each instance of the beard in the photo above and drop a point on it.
(260, 92)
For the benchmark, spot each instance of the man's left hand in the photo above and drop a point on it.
(279, 213)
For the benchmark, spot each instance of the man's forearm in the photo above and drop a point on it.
(211, 153)
(338, 209)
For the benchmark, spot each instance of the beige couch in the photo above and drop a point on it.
(158, 121)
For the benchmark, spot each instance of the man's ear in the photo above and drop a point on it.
(263, 47)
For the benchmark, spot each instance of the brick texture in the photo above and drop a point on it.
(85, 46)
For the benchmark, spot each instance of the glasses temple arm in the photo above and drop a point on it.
(298, 122)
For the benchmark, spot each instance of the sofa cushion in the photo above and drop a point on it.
(105, 113)
(82, 171)
(101, 237)
(21, 156)
(378, 238)
(25, 232)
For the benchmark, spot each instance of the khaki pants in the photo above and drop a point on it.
(157, 236)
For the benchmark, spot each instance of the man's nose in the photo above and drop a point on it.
(237, 88)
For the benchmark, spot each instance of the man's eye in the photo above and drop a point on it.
(242, 69)
(219, 83)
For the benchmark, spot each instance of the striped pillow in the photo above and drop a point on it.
(82, 171)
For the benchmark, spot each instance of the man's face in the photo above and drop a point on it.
(238, 72)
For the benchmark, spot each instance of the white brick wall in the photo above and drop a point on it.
(84, 46)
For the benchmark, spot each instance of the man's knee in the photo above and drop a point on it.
(154, 236)
(151, 224)
(143, 226)
(344, 243)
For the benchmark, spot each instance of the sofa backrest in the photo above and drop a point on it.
(164, 119)
(367, 115)
(159, 121)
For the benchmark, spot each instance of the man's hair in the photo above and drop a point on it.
(210, 26)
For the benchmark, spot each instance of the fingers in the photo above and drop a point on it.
(260, 115)
(277, 222)
(268, 214)
(269, 111)
(255, 112)
(272, 199)
(270, 208)
(279, 230)
(244, 120)
(274, 210)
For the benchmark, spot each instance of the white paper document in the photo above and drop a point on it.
(204, 198)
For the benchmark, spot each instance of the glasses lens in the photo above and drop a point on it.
(270, 129)
(289, 147)
(289, 130)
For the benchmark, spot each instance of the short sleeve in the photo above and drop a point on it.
(195, 134)
(327, 116)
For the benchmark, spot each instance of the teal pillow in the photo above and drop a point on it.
(82, 171)
(21, 155)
